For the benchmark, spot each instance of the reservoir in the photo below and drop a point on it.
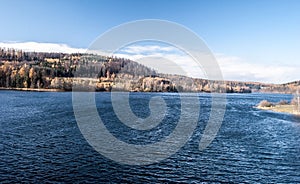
(40, 141)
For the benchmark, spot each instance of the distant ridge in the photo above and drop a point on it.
(61, 71)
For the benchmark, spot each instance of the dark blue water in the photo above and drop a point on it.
(40, 142)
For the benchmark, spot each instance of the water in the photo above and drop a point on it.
(40, 142)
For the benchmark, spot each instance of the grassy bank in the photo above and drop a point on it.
(291, 109)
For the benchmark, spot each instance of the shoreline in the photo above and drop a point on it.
(33, 89)
(289, 109)
(62, 90)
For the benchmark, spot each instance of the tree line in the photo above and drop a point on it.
(20, 69)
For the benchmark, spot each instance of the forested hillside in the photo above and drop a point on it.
(20, 69)
(37, 70)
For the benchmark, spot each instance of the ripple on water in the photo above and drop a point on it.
(41, 143)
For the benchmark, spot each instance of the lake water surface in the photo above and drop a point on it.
(40, 142)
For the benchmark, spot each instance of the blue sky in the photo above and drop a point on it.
(252, 32)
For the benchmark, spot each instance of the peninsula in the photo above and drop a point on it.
(282, 107)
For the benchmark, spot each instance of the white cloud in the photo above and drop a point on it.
(232, 67)
(41, 47)
(147, 48)
(163, 59)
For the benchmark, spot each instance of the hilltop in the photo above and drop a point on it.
(61, 71)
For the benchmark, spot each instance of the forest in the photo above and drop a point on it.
(20, 69)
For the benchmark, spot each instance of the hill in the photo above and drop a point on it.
(37, 70)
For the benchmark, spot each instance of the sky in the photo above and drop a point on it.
(253, 40)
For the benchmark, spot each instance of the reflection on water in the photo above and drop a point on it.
(40, 142)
